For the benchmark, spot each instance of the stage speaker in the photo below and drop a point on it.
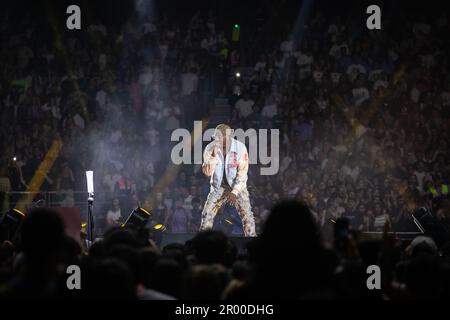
(10, 223)
(138, 218)
(431, 226)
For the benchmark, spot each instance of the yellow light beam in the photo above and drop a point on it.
(172, 170)
(40, 174)
(61, 49)
(374, 105)
(51, 156)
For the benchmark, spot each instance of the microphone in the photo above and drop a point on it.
(216, 147)
(37, 203)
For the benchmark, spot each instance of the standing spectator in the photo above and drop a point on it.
(5, 187)
(110, 177)
(65, 186)
(160, 211)
(196, 215)
(113, 215)
(178, 219)
(189, 82)
(381, 218)
(124, 189)
(244, 107)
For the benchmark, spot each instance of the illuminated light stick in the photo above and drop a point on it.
(90, 220)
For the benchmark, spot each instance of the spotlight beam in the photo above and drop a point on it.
(40, 174)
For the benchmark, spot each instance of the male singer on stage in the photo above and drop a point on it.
(225, 160)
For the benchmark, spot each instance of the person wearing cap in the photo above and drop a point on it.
(225, 160)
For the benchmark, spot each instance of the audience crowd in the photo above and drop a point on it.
(124, 265)
(364, 125)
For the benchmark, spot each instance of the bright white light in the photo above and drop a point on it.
(90, 181)
(14, 159)
(238, 74)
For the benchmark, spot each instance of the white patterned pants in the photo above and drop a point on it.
(216, 198)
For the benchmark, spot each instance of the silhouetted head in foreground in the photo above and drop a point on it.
(205, 282)
(42, 236)
(210, 247)
(288, 257)
(289, 230)
(109, 278)
(294, 219)
(42, 244)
